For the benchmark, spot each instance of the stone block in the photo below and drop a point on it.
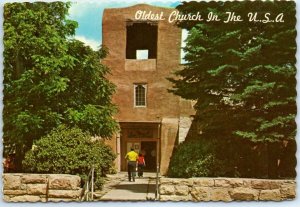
(61, 200)
(11, 182)
(236, 182)
(174, 198)
(65, 194)
(14, 192)
(204, 182)
(284, 182)
(64, 182)
(34, 178)
(275, 184)
(200, 193)
(270, 195)
(265, 184)
(244, 194)
(6, 198)
(220, 194)
(222, 182)
(182, 190)
(167, 189)
(36, 189)
(247, 183)
(288, 191)
(166, 181)
(182, 181)
(23, 186)
(27, 198)
(259, 184)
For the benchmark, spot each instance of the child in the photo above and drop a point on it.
(141, 164)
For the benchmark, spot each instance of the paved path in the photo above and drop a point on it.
(141, 190)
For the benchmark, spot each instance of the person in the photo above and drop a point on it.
(131, 157)
(141, 164)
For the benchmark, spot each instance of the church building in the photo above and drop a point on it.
(143, 52)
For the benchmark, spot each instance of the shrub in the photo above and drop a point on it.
(194, 159)
(69, 151)
(232, 157)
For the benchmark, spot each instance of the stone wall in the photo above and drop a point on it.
(41, 187)
(184, 127)
(226, 189)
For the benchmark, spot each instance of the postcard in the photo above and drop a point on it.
(149, 101)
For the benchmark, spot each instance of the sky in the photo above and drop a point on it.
(88, 14)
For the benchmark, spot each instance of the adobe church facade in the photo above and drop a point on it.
(142, 54)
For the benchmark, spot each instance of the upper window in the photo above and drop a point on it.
(141, 40)
(140, 91)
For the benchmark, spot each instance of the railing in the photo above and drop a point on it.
(88, 188)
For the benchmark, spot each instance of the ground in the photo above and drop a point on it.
(117, 188)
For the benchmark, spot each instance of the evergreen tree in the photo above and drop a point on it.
(242, 74)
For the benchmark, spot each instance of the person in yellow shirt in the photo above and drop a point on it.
(131, 158)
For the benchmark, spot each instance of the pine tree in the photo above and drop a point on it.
(242, 74)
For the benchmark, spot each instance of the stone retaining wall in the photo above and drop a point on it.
(41, 187)
(226, 189)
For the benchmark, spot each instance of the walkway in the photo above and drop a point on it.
(141, 190)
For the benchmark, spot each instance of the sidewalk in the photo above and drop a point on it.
(141, 190)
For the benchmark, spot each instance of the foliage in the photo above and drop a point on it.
(234, 157)
(50, 78)
(194, 159)
(242, 74)
(69, 151)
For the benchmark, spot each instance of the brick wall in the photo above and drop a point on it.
(41, 187)
(226, 189)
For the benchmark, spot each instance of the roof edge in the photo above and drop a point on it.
(140, 5)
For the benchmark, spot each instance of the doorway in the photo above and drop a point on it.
(149, 149)
(143, 138)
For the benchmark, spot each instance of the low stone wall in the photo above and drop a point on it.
(226, 189)
(41, 187)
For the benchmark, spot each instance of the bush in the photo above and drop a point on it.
(69, 151)
(194, 159)
(232, 157)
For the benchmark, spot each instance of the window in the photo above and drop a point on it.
(140, 95)
(141, 36)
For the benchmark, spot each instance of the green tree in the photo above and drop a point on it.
(242, 74)
(50, 78)
(70, 151)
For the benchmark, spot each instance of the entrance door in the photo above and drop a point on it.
(149, 149)
(143, 138)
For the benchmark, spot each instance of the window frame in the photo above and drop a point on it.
(135, 85)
